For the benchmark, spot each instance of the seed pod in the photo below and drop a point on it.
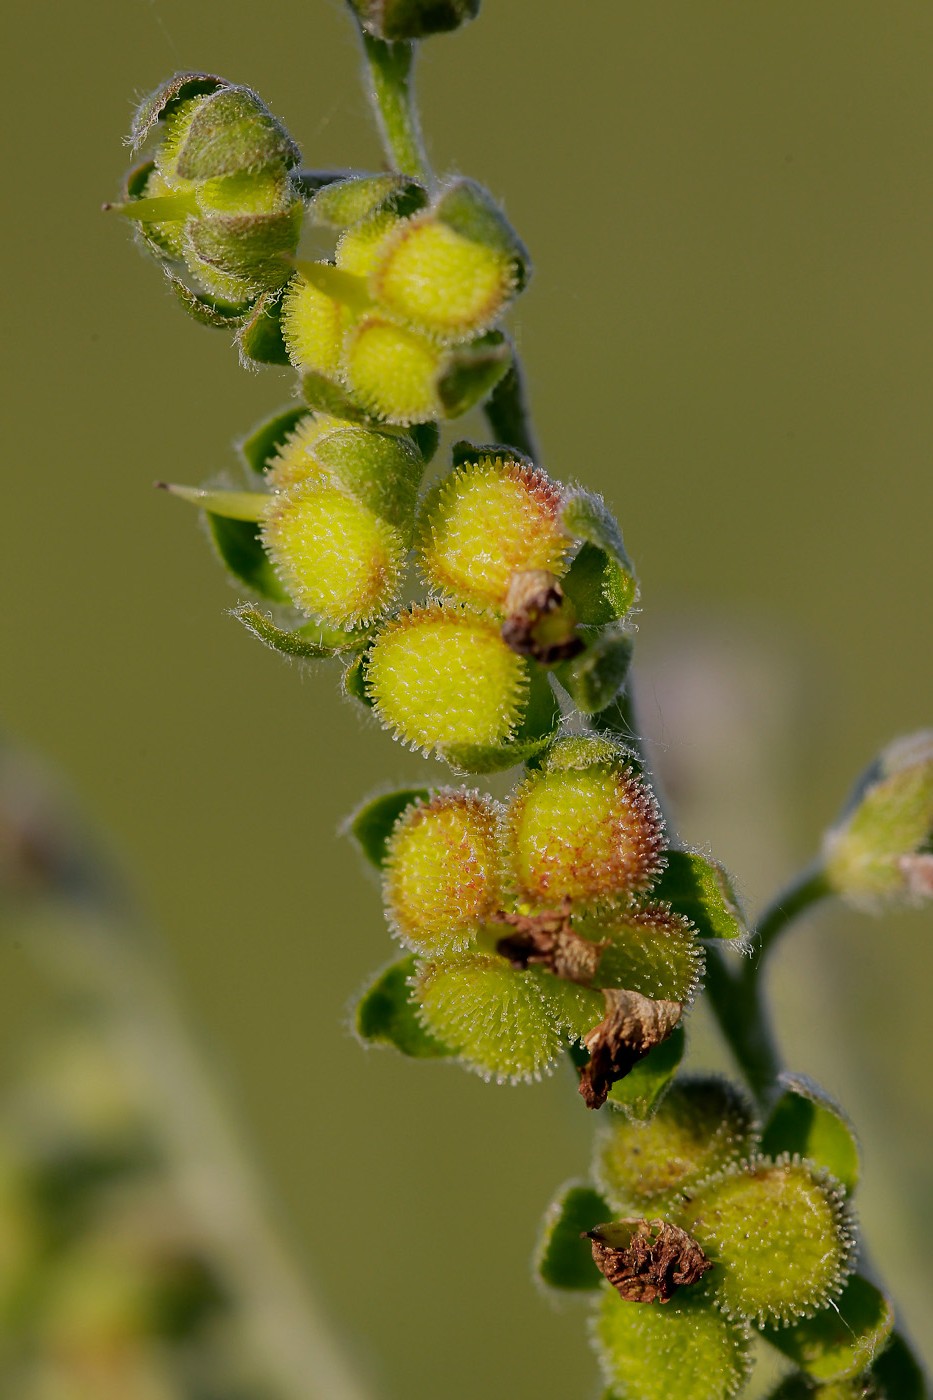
(585, 827)
(700, 1127)
(438, 676)
(485, 521)
(686, 1349)
(780, 1234)
(442, 871)
(496, 1020)
(451, 270)
(881, 852)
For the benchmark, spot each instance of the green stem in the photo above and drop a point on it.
(737, 995)
(507, 412)
(390, 91)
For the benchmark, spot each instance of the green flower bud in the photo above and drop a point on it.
(701, 1126)
(442, 871)
(412, 19)
(484, 522)
(497, 1020)
(685, 1349)
(438, 676)
(881, 852)
(780, 1234)
(450, 271)
(585, 827)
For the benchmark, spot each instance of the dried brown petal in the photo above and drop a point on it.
(547, 940)
(633, 1025)
(538, 623)
(646, 1261)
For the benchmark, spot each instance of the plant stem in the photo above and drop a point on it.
(737, 996)
(507, 412)
(390, 92)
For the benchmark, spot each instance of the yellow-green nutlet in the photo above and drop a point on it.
(592, 834)
(392, 370)
(313, 327)
(442, 871)
(440, 676)
(685, 1350)
(701, 1127)
(486, 521)
(336, 558)
(295, 460)
(780, 1235)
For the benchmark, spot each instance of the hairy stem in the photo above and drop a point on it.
(737, 995)
(390, 92)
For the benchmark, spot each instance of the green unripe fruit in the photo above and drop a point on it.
(701, 1126)
(683, 1350)
(337, 560)
(496, 1019)
(360, 247)
(437, 280)
(294, 460)
(650, 950)
(442, 871)
(438, 676)
(486, 521)
(313, 327)
(591, 834)
(882, 850)
(393, 371)
(780, 1235)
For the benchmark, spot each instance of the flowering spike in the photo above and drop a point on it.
(441, 875)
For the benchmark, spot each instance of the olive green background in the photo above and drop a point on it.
(730, 206)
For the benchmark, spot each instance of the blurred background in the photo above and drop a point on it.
(730, 334)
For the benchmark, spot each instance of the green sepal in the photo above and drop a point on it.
(343, 203)
(231, 131)
(639, 1093)
(807, 1121)
(261, 445)
(841, 1341)
(469, 210)
(354, 681)
(310, 642)
(470, 371)
(163, 101)
(348, 288)
(371, 825)
(254, 247)
(701, 889)
(259, 339)
(381, 470)
(232, 505)
(412, 19)
(239, 546)
(899, 1373)
(426, 437)
(384, 1015)
(325, 395)
(563, 1256)
(535, 734)
(208, 311)
(601, 584)
(594, 678)
(136, 179)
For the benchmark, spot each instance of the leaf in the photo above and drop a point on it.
(312, 641)
(563, 1256)
(240, 548)
(807, 1121)
(839, 1341)
(371, 825)
(594, 678)
(700, 888)
(601, 585)
(642, 1088)
(384, 1015)
(470, 371)
(267, 437)
(899, 1373)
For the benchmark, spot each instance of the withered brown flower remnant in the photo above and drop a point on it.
(633, 1025)
(538, 623)
(547, 940)
(646, 1261)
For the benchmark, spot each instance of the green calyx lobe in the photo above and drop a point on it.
(806, 1121)
(563, 1256)
(385, 1015)
(232, 130)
